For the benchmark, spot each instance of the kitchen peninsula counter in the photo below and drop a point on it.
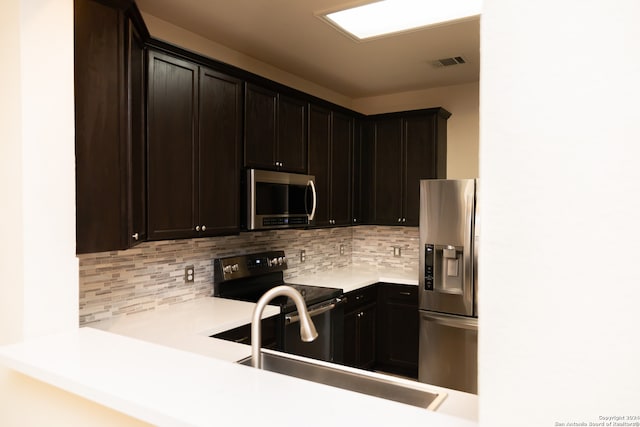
(161, 367)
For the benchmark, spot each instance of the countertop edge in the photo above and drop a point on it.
(72, 366)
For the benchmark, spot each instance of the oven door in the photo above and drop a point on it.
(328, 318)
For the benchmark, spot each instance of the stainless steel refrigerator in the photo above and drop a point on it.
(448, 284)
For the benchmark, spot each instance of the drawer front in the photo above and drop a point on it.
(361, 297)
(407, 294)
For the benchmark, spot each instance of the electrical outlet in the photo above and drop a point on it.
(341, 249)
(303, 255)
(189, 274)
(397, 251)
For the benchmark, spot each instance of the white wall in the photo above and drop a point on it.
(559, 182)
(38, 267)
(11, 246)
(37, 250)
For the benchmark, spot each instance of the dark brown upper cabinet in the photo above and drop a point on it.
(404, 148)
(361, 172)
(275, 131)
(110, 126)
(330, 150)
(194, 125)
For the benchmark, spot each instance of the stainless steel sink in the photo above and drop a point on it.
(373, 384)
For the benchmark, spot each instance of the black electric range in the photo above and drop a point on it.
(248, 277)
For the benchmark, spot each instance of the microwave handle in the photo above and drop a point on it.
(313, 191)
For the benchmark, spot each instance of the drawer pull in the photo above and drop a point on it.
(406, 293)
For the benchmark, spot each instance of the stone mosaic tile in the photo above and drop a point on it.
(151, 275)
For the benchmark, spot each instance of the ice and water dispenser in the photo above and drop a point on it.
(443, 268)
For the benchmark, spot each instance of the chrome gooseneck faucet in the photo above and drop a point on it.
(307, 328)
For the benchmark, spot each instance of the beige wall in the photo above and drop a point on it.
(30, 403)
(462, 101)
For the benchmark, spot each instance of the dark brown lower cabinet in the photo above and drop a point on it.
(397, 343)
(360, 328)
(381, 329)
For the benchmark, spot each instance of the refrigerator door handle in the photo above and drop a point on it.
(452, 321)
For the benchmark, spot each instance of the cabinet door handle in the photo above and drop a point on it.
(197, 228)
(204, 228)
(405, 293)
(359, 297)
(399, 219)
(404, 219)
(135, 236)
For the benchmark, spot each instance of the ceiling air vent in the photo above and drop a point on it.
(447, 62)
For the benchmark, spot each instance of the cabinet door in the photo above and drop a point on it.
(99, 109)
(419, 162)
(137, 231)
(172, 147)
(319, 139)
(366, 320)
(360, 327)
(363, 173)
(292, 135)
(341, 146)
(260, 127)
(397, 350)
(220, 127)
(350, 347)
(387, 204)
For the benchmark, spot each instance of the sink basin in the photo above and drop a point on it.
(373, 384)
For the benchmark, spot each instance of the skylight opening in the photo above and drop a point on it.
(395, 16)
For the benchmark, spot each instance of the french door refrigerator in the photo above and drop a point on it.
(448, 284)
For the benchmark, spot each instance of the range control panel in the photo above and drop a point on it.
(428, 267)
(242, 266)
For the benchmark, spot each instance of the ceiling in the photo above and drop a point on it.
(287, 34)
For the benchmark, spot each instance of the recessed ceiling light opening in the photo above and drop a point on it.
(395, 16)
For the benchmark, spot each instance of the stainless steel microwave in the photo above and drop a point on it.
(279, 199)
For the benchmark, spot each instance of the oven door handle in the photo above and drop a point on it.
(314, 311)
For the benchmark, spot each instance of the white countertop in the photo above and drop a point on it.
(352, 278)
(188, 326)
(168, 387)
(161, 367)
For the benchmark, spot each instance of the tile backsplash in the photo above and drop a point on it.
(151, 275)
